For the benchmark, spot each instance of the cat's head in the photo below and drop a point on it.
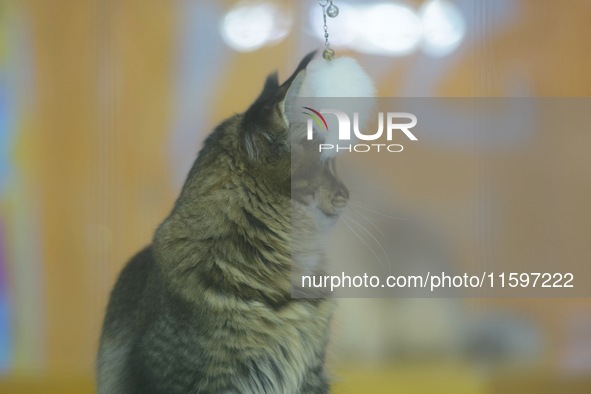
(275, 140)
(266, 144)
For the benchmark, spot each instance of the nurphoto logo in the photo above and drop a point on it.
(394, 122)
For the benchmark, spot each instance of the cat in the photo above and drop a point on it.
(207, 307)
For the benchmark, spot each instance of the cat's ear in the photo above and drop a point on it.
(268, 117)
(273, 94)
(289, 91)
(269, 91)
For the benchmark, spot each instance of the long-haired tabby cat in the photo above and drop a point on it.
(207, 307)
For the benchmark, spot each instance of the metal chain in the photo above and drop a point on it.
(328, 53)
(325, 27)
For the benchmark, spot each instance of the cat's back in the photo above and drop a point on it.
(130, 287)
(125, 317)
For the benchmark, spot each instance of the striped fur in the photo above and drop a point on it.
(207, 307)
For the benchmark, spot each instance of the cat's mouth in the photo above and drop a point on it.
(328, 207)
(335, 207)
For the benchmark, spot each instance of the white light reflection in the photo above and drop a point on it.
(250, 26)
(394, 29)
(381, 28)
(443, 27)
(389, 29)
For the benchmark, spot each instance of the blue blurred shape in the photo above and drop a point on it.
(5, 333)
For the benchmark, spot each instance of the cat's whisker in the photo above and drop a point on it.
(351, 210)
(362, 206)
(348, 222)
(373, 237)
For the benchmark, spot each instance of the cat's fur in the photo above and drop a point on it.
(207, 307)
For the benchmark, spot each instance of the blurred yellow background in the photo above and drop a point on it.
(104, 105)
